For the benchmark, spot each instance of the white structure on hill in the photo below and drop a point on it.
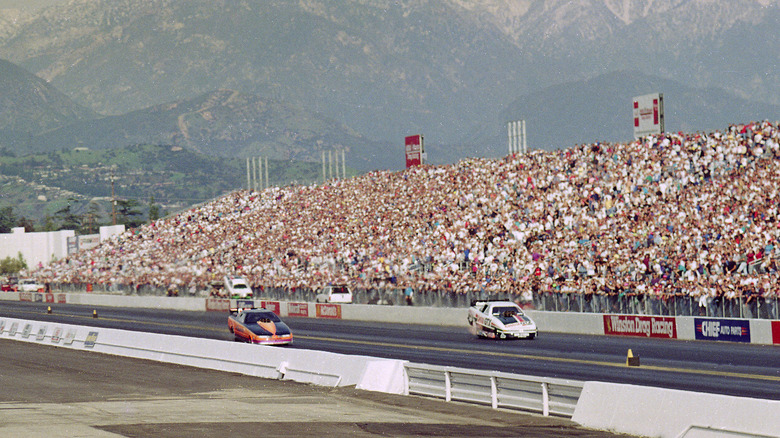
(41, 248)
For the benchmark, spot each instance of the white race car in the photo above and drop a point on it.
(237, 287)
(500, 320)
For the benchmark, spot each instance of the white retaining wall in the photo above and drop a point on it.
(155, 302)
(309, 366)
(657, 412)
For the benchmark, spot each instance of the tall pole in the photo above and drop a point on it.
(248, 179)
(258, 173)
(266, 172)
(343, 164)
(324, 176)
(509, 136)
(113, 200)
(516, 135)
(336, 165)
(525, 144)
(253, 185)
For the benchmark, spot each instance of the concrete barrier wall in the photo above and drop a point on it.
(309, 366)
(406, 314)
(156, 302)
(657, 412)
(762, 332)
(9, 296)
(566, 322)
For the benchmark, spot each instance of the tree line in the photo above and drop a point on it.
(84, 218)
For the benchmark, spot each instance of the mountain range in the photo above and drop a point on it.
(292, 80)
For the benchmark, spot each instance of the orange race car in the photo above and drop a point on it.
(258, 326)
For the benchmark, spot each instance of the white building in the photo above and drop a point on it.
(41, 248)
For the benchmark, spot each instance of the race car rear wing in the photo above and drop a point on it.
(245, 306)
(480, 302)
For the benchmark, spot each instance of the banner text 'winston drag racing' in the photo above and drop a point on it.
(649, 326)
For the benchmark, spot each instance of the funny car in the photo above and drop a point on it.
(500, 320)
(237, 287)
(258, 326)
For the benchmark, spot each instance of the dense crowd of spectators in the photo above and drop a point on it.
(693, 214)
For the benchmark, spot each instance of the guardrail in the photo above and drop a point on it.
(548, 396)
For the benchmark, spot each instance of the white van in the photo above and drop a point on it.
(334, 294)
(237, 287)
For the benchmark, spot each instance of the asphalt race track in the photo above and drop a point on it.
(736, 369)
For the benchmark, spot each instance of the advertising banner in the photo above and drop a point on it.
(414, 149)
(646, 326)
(88, 241)
(56, 335)
(41, 334)
(273, 306)
(217, 304)
(70, 337)
(329, 311)
(298, 309)
(776, 332)
(709, 329)
(648, 114)
(72, 244)
(91, 339)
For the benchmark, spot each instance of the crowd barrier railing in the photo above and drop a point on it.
(548, 396)
(754, 307)
(743, 307)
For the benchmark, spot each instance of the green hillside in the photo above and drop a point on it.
(37, 186)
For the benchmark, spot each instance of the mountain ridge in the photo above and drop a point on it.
(385, 69)
(46, 107)
(222, 123)
(388, 68)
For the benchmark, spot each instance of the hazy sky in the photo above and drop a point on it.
(27, 4)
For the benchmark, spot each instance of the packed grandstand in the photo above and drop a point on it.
(675, 214)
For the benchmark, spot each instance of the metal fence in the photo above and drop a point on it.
(752, 307)
(757, 307)
(547, 396)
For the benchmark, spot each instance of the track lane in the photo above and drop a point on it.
(716, 367)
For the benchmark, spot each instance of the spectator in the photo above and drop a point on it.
(662, 213)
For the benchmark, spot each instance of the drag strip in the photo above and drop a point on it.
(746, 370)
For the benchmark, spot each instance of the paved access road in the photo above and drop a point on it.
(51, 391)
